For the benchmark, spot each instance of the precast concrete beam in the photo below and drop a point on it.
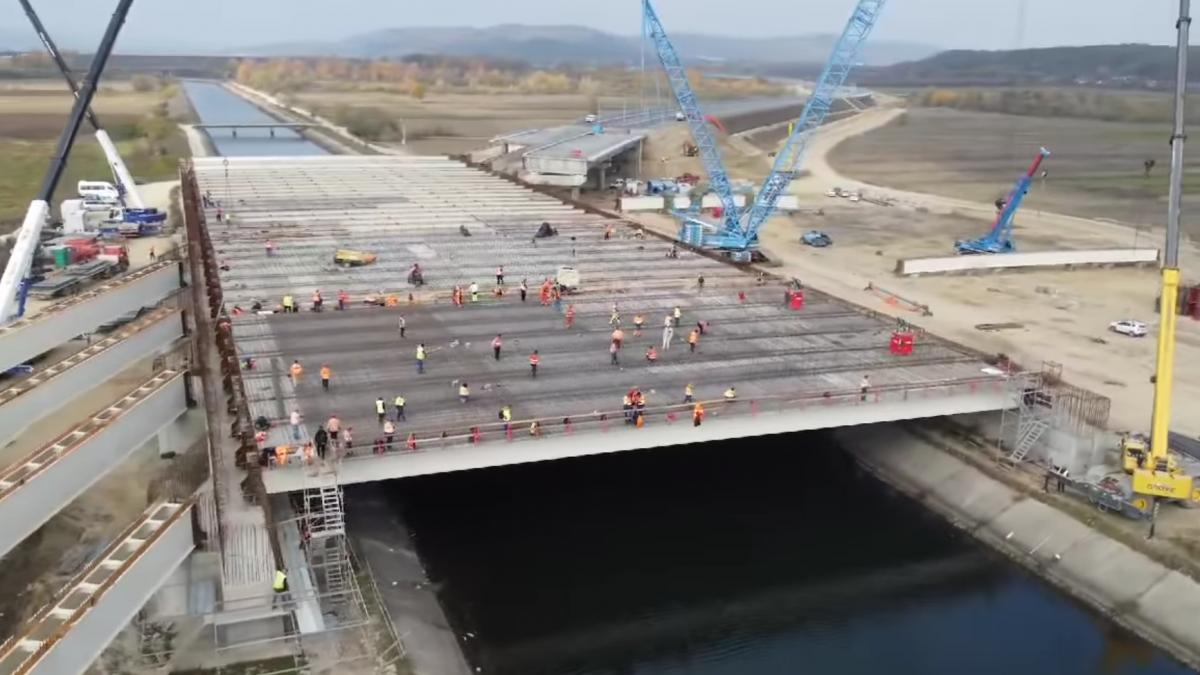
(36, 488)
(33, 398)
(24, 339)
(66, 636)
(498, 450)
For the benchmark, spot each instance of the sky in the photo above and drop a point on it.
(184, 25)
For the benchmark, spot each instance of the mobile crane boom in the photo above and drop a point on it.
(1158, 477)
(125, 182)
(999, 238)
(29, 236)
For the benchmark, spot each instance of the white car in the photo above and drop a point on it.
(590, 118)
(1128, 327)
(679, 116)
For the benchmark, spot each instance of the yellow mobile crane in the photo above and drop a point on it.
(1156, 471)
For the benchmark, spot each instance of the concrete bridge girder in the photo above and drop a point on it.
(621, 438)
(36, 488)
(52, 389)
(68, 635)
(25, 339)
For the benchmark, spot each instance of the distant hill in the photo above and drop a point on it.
(548, 45)
(1127, 65)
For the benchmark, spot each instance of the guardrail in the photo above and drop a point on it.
(681, 413)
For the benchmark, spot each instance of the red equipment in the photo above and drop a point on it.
(902, 343)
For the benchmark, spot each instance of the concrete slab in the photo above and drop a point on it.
(1173, 605)
(1038, 530)
(1110, 569)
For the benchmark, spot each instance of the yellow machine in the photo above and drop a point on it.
(1156, 473)
(348, 258)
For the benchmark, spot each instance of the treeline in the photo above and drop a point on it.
(1110, 106)
(418, 74)
(1129, 66)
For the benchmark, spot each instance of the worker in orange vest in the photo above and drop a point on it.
(326, 373)
(534, 360)
(297, 372)
(317, 300)
(570, 315)
(697, 414)
(618, 337)
(343, 299)
(693, 339)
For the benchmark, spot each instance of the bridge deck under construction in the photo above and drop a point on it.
(411, 209)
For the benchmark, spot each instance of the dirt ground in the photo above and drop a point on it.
(455, 123)
(1095, 169)
(1062, 315)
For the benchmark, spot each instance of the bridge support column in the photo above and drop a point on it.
(575, 193)
(602, 174)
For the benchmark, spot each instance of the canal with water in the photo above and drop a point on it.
(756, 557)
(216, 105)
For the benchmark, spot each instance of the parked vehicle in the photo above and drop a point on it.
(1128, 327)
(590, 118)
(817, 239)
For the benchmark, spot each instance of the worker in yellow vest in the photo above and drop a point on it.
(399, 405)
(280, 586)
(464, 393)
(380, 409)
(689, 393)
(289, 304)
(326, 373)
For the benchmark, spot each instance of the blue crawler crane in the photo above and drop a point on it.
(999, 238)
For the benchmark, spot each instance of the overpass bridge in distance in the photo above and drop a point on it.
(794, 369)
(269, 126)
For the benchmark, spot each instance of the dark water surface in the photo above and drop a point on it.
(751, 557)
(216, 105)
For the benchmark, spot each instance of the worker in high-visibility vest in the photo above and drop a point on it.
(280, 586)
(399, 406)
(421, 354)
(343, 299)
(326, 373)
(697, 414)
(534, 360)
(380, 409)
(638, 321)
(689, 393)
(570, 315)
(297, 371)
(464, 392)
(281, 455)
(677, 315)
(289, 304)
(731, 394)
(693, 339)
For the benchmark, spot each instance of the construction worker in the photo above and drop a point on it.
(613, 348)
(270, 248)
(326, 373)
(389, 433)
(280, 586)
(456, 296)
(731, 394)
(380, 409)
(348, 440)
(668, 333)
(308, 454)
(535, 429)
(689, 393)
(618, 337)
(334, 427)
(524, 289)
(677, 314)
(544, 293)
(421, 354)
(697, 414)
(321, 438)
(556, 294)
(398, 404)
(343, 300)
(281, 455)
(506, 413)
(700, 281)
(297, 371)
(294, 422)
(500, 275)
(402, 324)
(863, 386)
(289, 304)
(534, 360)
(638, 322)
(411, 442)
(497, 343)
(570, 315)
(651, 354)
(153, 254)
(474, 289)
(317, 300)
(627, 407)
(464, 392)
(614, 318)
(693, 340)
